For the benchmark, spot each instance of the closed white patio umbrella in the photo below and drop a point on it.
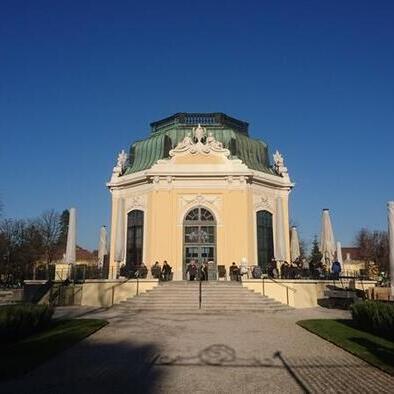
(70, 256)
(339, 254)
(294, 245)
(102, 247)
(327, 241)
(390, 215)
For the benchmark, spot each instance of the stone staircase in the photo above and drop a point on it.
(183, 297)
(6, 297)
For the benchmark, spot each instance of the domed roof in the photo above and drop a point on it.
(168, 132)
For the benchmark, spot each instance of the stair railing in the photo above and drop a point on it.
(287, 288)
(199, 293)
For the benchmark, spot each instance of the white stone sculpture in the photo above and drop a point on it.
(279, 164)
(185, 145)
(196, 145)
(199, 133)
(121, 164)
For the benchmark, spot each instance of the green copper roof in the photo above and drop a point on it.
(168, 132)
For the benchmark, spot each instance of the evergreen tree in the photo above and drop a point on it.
(64, 218)
(316, 256)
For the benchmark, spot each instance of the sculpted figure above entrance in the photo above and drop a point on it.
(199, 143)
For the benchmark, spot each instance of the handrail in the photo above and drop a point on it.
(280, 284)
(199, 294)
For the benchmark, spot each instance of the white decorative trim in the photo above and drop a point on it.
(199, 144)
(199, 199)
(135, 202)
(263, 202)
(212, 203)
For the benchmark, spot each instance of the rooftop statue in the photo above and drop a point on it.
(121, 164)
(279, 164)
(199, 133)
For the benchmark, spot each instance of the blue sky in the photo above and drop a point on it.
(80, 80)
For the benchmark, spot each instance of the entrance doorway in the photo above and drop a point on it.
(199, 240)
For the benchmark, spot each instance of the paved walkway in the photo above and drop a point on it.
(202, 353)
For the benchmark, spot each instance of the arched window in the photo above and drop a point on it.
(199, 214)
(135, 238)
(265, 239)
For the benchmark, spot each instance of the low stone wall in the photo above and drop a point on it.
(106, 293)
(300, 293)
(380, 293)
(11, 296)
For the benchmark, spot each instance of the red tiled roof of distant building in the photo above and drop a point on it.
(84, 254)
(354, 252)
(81, 254)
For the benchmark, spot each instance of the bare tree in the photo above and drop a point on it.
(374, 246)
(20, 247)
(49, 226)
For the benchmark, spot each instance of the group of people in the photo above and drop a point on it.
(161, 272)
(239, 272)
(301, 268)
(298, 269)
(141, 271)
(197, 271)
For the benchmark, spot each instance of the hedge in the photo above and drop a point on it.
(19, 321)
(374, 316)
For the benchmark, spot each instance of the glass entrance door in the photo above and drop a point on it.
(200, 240)
(200, 254)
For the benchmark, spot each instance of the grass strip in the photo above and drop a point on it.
(20, 357)
(375, 350)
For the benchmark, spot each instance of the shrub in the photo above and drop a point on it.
(19, 321)
(375, 317)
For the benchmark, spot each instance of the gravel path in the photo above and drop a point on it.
(203, 353)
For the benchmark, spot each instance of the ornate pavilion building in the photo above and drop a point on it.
(199, 188)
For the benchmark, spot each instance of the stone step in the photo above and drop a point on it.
(210, 298)
(195, 288)
(204, 300)
(183, 297)
(139, 301)
(224, 293)
(204, 304)
(204, 294)
(213, 309)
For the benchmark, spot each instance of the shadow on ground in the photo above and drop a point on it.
(93, 368)
(310, 375)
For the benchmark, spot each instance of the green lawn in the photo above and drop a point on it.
(371, 348)
(20, 357)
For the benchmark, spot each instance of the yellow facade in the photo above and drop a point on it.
(231, 191)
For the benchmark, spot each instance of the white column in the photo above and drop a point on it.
(390, 212)
(280, 243)
(71, 237)
(120, 237)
